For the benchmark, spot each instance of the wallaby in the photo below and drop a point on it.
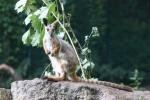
(64, 60)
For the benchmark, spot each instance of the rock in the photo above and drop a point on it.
(5, 94)
(38, 89)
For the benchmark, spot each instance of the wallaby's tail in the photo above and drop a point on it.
(109, 84)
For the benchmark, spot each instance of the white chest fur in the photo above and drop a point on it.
(58, 63)
(47, 42)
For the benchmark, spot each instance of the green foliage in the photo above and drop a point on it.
(26, 5)
(87, 62)
(25, 37)
(136, 78)
(35, 33)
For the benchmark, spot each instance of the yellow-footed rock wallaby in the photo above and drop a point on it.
(64, 60)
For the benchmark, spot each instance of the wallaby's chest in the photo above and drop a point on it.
(58, 63)
(50, 42)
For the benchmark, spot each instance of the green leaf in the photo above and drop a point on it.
(43, 12)
(39, 31)
(41, 37)
(35, 39)
(86, 51)
(52, 8)
(30, 9)
(86, 38)
(95, 32)
(36, 23)
(28, 19)
(26, 5)
(20, 5)
(88, 64)
(61, 35)
(39, 14)
(84, 61)
(25, 37)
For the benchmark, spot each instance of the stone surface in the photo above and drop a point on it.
(38, 89)
(5, 94)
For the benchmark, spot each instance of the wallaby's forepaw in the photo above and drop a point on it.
(53, 54)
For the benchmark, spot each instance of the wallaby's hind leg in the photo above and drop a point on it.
(73, 77)
(57, 77)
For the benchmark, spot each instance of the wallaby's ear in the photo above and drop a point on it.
(45, 21)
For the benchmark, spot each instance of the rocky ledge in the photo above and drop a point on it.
(38, 89)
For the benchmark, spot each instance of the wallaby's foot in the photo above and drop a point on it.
(55, 78)
(49, 78)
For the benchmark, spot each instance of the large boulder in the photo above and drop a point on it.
(5, 94)
(38, 89)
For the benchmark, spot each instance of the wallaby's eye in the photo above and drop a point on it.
(47, 29)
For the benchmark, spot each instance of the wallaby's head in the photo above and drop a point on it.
(49, 28)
